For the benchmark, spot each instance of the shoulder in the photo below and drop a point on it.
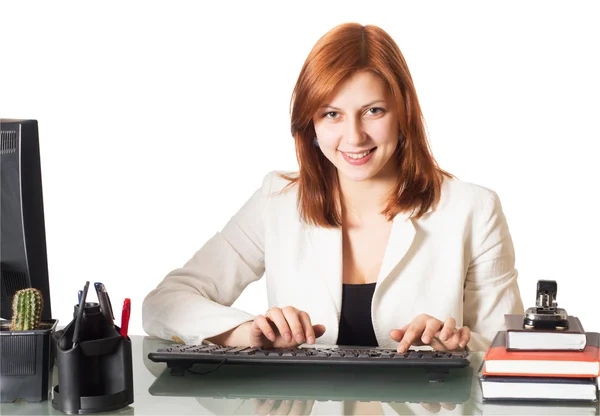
(276, 184)
(461, 196)
(279, 200)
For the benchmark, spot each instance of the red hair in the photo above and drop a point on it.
(340, 53)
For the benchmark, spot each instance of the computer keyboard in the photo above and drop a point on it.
(183, 356)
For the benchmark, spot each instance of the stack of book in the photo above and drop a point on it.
(538, 364)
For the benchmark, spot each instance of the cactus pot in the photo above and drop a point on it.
(26, 362)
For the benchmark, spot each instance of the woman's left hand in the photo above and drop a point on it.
(427, 330)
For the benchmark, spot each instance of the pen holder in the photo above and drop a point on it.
(96, 375)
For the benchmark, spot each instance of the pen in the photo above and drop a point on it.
(104, 302)
(101, 288)
(125, 317)
(77, 330)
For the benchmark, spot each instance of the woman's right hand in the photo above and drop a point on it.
(283, 407)
(283, 327)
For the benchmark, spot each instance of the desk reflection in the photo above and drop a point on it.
(283, 390)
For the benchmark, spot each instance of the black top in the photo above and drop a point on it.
(356, 327)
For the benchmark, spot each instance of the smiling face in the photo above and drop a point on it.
(357, 128)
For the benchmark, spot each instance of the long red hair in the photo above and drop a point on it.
(341, 52)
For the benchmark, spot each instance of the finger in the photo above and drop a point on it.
(448, 329)
(308, 406)
(257, 404)
(309, 331)
(397, 334)
(319, 330)
(284, 408)
(260, 327)
(440, 345)
(276, 315)
(293, 321)
(411, 336)
(266, 407)
(431, 407)
(465, 337)
(448, 406)
(297, 407)
(432, 326)
(450, 344)
(454, 342)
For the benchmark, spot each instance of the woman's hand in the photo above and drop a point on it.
(283, 327)
(283, 407)
(427, 330)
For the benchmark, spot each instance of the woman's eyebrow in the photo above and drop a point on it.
(364, 106)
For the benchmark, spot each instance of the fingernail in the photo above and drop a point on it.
(461, 345)
(271, 336)
(287, 336)
(444, 336)
(311, 340)
(300, 338)
(425, 339)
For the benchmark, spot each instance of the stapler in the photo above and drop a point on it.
(546, 314)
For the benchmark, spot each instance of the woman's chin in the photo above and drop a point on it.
(357, 175)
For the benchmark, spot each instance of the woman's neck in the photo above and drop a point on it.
(363, 202)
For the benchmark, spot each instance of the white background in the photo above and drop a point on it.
(159, 119)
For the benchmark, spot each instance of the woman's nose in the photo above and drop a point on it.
(355, 134)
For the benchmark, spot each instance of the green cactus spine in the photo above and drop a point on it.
(27, 309)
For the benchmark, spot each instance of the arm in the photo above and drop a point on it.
(491, 289)
(193, 303)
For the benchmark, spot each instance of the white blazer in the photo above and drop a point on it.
(456, 261)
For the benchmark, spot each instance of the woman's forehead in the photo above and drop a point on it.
(362, 89)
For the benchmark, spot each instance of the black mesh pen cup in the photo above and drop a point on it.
(95, 373)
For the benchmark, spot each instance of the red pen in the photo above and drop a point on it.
(125, 317)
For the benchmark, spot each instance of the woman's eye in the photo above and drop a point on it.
(331, 114)
(375, 110)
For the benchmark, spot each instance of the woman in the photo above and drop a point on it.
(370, 243)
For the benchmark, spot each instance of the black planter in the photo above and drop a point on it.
(26, 362)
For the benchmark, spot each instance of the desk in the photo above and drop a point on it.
(244, 391)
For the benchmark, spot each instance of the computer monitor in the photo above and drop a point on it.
(23, 257)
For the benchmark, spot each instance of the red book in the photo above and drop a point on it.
(500, 362)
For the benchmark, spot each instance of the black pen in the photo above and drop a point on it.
(101, 288)
(77, 330)
(104, 301)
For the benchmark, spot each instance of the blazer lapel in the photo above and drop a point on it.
(326, 246)
(401, 238)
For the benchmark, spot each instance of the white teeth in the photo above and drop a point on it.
(358, 155)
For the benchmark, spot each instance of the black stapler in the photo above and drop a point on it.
(546, 314)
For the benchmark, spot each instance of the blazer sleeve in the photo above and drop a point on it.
(491, 289)
(193, 302)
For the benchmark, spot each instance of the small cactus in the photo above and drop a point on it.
(27, 309)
